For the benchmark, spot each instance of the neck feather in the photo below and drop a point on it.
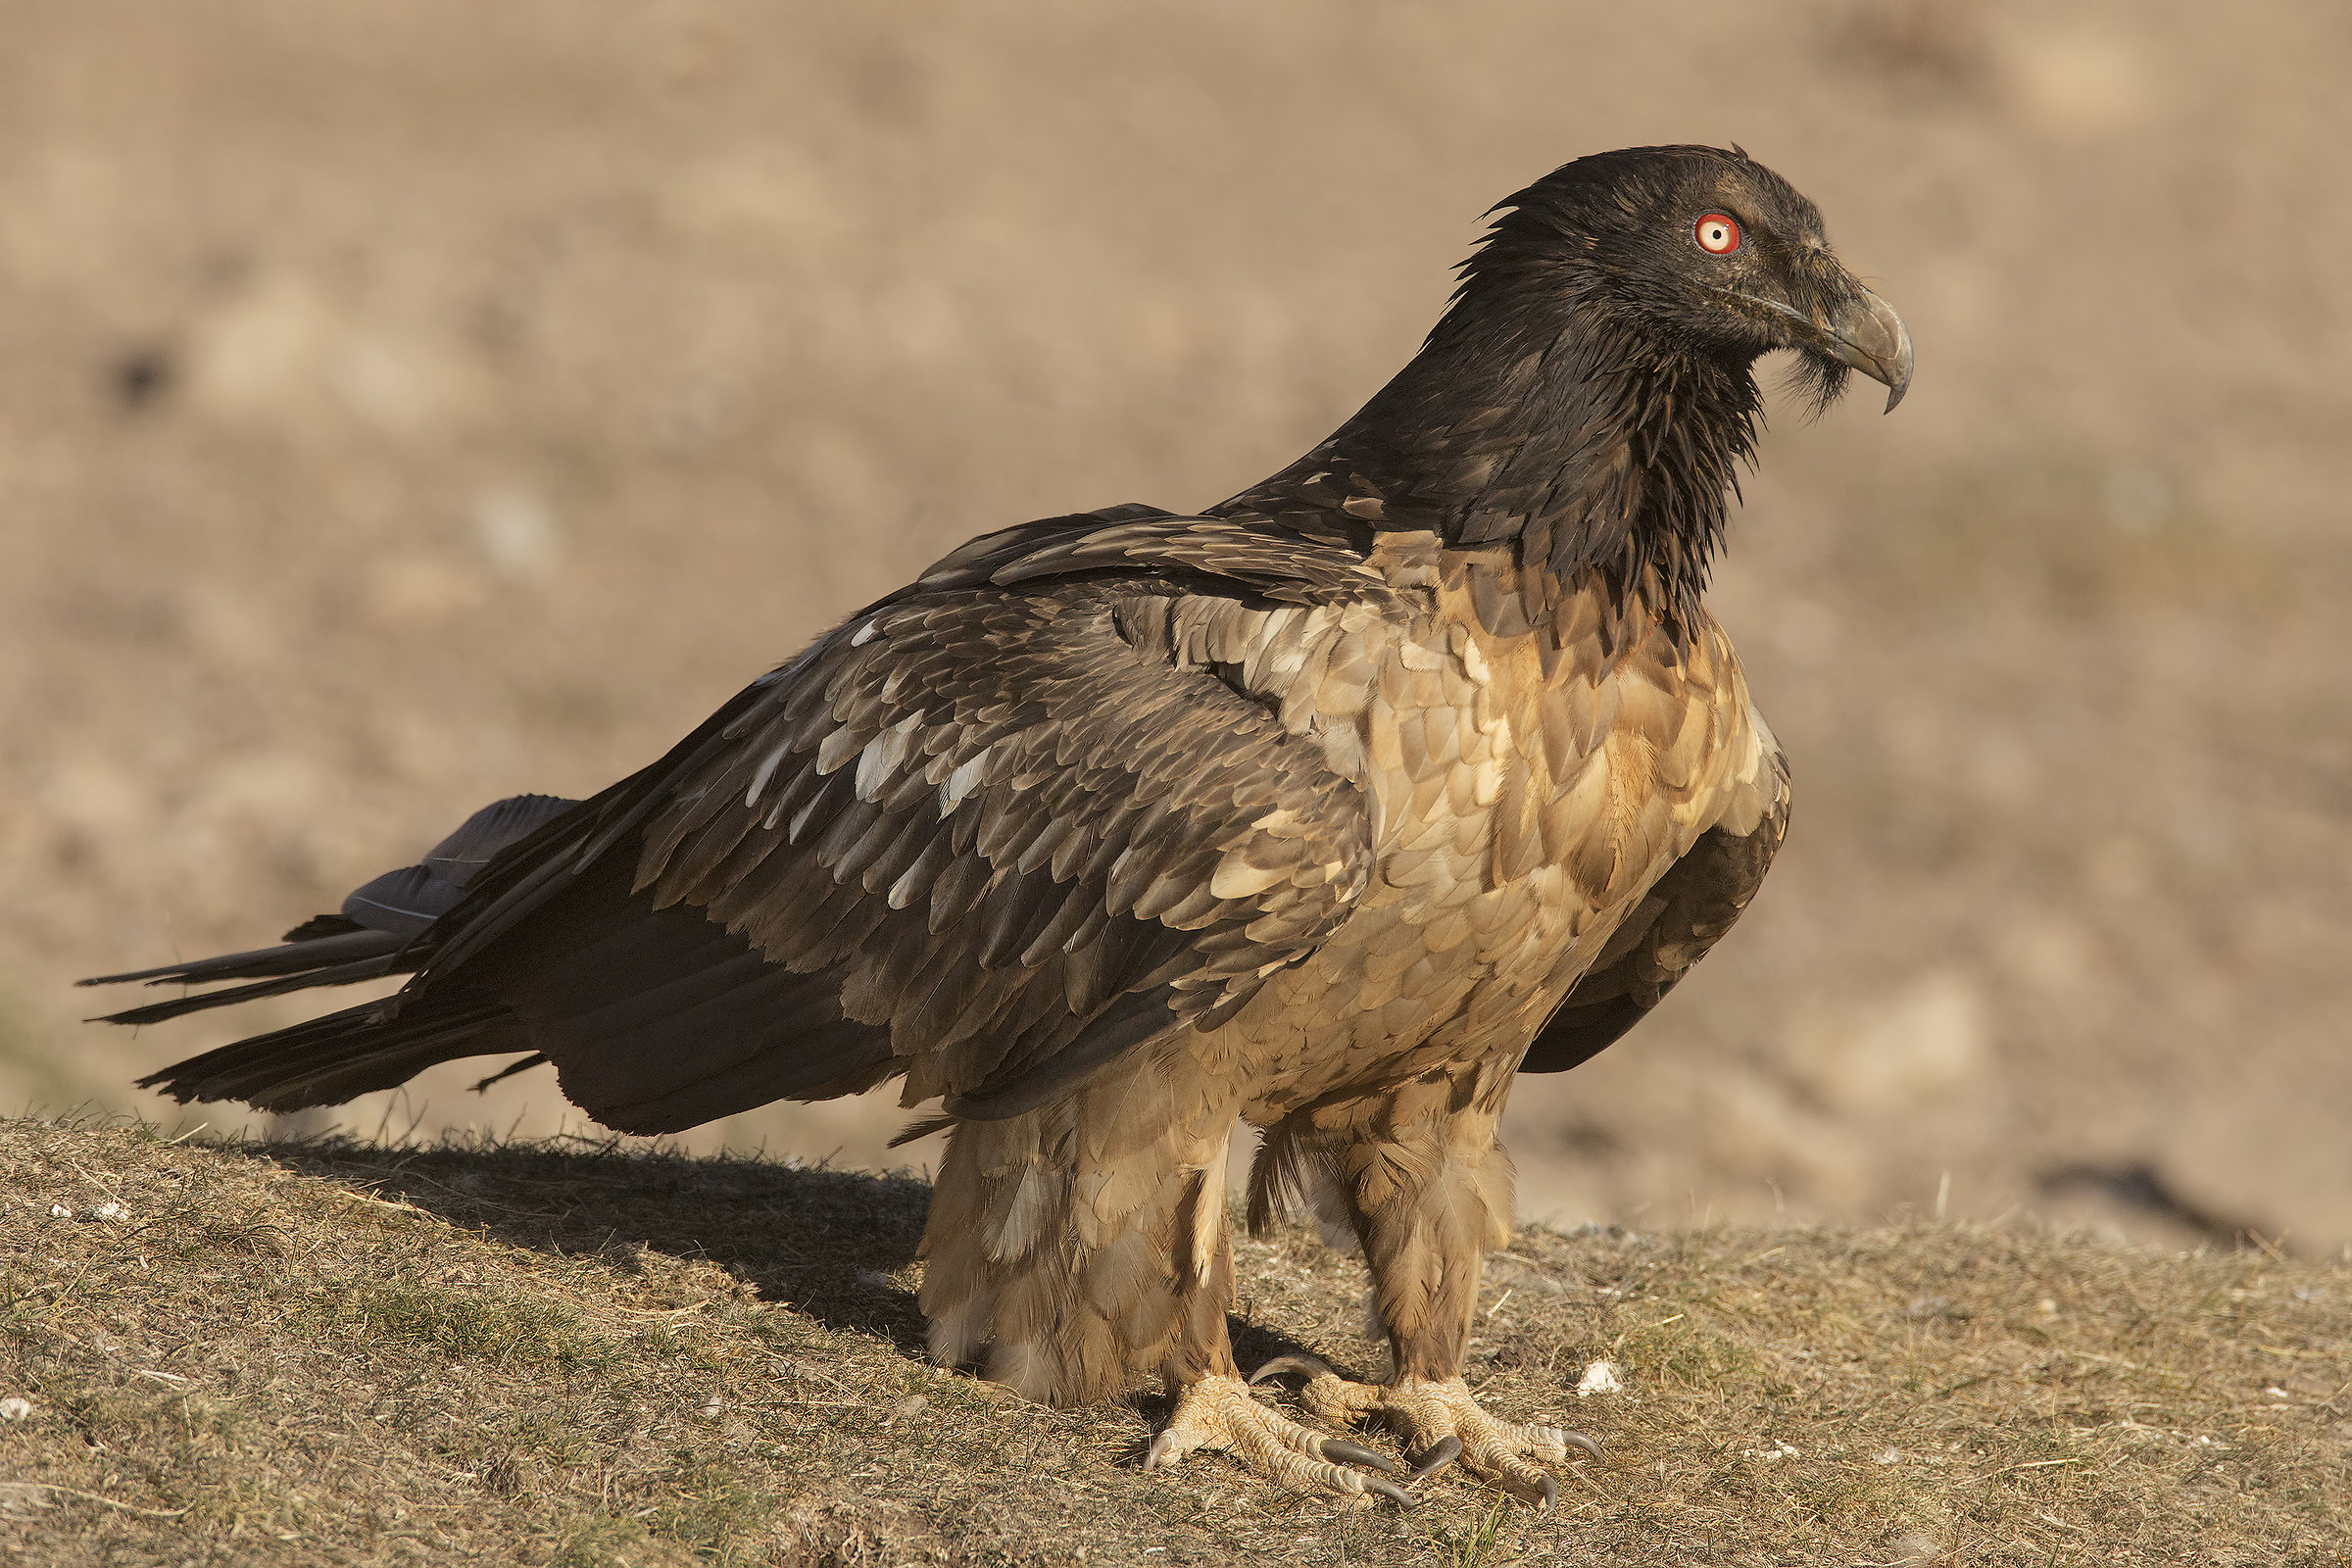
(1575, 442)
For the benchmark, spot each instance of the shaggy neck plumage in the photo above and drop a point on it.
(1538, 421)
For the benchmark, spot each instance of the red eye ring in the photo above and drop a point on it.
(1717, 233)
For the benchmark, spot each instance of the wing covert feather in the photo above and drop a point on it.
(987, 833)
(1012, 836)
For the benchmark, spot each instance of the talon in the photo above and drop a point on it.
(1441, 1423)
(1369, 1485)
(1350, 1453)
(1437, 1456)
(1293, 1364)
(1217, 1412)
(1304, 1440)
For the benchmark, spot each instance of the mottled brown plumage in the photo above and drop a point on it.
(1334, 808)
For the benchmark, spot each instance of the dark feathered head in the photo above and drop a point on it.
(1706, 250)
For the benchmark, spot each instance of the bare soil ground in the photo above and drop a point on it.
(403, 406)
(329, 1352)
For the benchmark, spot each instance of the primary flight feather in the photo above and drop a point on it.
(1415, 766)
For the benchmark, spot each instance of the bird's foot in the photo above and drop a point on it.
(1439, 1423)
(1219, 1412)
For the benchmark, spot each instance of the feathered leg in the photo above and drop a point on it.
(1077, 1245)
(1421, 1180)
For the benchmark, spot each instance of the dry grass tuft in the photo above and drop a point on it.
(553, 1354)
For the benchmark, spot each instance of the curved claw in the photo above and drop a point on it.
(1538, 1490)
(1437, 1456)
(1307, 1365)
(1363, 1458)
(1576, 1440)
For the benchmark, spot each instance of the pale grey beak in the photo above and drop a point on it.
(1868, 335)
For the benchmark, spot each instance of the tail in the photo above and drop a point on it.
(332, 1058)
(344, 1055)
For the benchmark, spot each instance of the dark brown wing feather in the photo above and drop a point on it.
(980, 834)
(1683, 915)
(993, 826)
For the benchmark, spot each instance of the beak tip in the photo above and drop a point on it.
(1871, 338)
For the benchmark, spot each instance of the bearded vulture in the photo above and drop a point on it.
(1334, 808)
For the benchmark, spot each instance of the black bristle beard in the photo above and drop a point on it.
(1815, 385)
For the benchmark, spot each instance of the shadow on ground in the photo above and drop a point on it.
(831, 1244)
(828, 1242)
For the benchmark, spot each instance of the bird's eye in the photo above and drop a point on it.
(1718, 235)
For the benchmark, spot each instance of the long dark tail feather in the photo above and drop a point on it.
(374, 936)
(343, 1054)
(530, 940)
(333, 974)
(316, 953)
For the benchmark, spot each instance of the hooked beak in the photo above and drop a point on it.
(1863, 333)
(1869, 336)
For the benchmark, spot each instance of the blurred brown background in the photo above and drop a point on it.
(406, 404)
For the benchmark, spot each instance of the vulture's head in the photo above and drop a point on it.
(1705, 249)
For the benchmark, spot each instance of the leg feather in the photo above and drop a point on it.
(1084, 1242)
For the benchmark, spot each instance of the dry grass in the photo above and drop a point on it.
(337, 1353)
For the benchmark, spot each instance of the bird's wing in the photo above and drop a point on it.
(1684, 913)
(990, 832)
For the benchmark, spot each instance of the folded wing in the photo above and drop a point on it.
(979, 835)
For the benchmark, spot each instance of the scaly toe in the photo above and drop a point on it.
(1327, 1396)
(1442, 1423)
(1218, 1412)
(1517, 1477)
